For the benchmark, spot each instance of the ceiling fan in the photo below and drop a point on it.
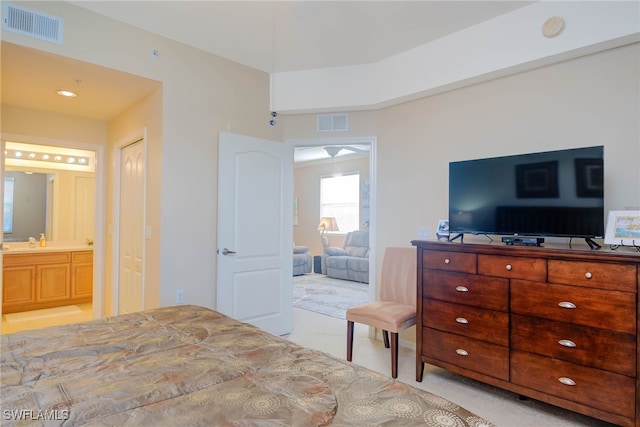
(333, 150)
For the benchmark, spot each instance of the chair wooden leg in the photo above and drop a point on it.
(394, 354)
(385, 337)
(349, 340)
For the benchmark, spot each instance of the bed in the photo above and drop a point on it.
(188, 365)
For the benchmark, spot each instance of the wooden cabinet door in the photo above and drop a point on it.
(18, 286)
(81, 280)
(53, 282)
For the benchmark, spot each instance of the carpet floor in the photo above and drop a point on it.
(325, 295)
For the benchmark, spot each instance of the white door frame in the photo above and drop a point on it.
(372, 143)
(100, 208)
(115, 232)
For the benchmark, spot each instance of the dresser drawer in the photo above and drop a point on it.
(82, 256)
(449, 261)
(612, 310)
(470, 289)
(597, 348)
(31, 259)
(621, 277)
(593, 387)
(478, 356)
(478, 323)
(513, 267)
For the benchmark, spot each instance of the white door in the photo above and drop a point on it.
(131, 234)
(85, 213)
(255, 231)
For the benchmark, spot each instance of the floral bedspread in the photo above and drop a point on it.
(188, 365)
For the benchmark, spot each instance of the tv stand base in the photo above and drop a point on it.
(593, 245)
(523, 241)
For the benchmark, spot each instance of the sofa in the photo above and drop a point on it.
(351, 261)
(302, 260)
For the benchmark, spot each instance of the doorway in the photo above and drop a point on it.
(311, 224)
(131, 225)
(74, 187)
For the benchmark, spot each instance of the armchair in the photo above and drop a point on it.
(302, 260)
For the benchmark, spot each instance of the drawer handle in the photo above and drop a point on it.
(462, 352)
(588, 275)
(462, 289)
(567, 381)
(447, 260)
(567, 343)
(566, 304)
(462, 320)
(509, 267)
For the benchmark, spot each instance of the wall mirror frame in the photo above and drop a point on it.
(54, 192)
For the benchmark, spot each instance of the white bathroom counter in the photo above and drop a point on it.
(23, 247)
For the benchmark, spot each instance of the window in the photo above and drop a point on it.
(8, 205)
(340, 198)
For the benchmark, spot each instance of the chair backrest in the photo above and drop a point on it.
(399, 275)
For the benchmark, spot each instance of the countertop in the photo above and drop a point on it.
(10, 248)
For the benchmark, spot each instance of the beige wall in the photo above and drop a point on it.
(40, 124)
(202, 94)
(587, 101)
(592, 100)
(143, 119)
(306, 189)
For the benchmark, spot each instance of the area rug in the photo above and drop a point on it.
(325, 295)
(44, 313)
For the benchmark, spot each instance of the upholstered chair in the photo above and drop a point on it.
(302, 260)
(396, 308)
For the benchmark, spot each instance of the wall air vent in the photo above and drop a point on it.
(333, 122)
(31, 23)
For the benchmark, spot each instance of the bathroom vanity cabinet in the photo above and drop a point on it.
(46, 279)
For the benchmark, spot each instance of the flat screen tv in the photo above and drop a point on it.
(553, 193)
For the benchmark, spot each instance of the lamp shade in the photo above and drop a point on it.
(328, 223)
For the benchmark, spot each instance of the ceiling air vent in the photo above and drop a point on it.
(28, 22)
(333, 122)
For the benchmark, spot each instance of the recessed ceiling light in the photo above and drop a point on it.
(66, 93)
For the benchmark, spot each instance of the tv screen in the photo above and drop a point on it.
(553, 193)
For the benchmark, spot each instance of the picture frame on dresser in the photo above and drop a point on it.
(623, 228)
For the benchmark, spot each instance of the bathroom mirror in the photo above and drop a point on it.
(55, 197)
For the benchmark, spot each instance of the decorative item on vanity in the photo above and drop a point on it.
(43, 240)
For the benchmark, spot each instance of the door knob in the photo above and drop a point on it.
(226, 251)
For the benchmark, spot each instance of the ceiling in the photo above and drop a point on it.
(30, 79)
(279, 35)
(271, 36)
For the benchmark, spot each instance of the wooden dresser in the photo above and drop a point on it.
(557, 325)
